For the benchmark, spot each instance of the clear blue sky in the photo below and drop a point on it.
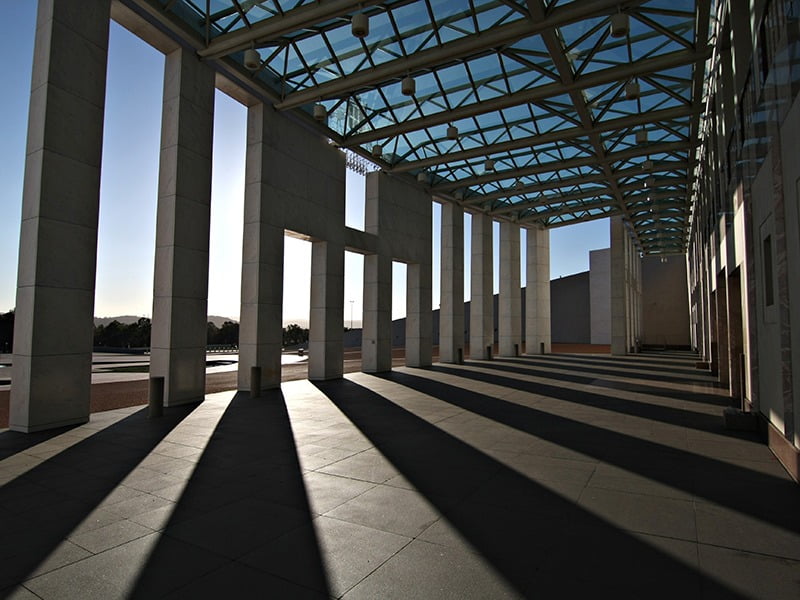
(128, 191)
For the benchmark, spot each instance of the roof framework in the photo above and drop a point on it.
(536, 89)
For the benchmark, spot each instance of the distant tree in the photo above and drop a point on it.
(212, 332)
(119, 335)
(139, 333)
(7, 331)
(228, 333)
(110, 336)
(294, 334)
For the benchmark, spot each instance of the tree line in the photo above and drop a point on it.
(7, 331)
(137, 334)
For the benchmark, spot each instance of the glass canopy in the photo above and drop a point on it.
(545, 112)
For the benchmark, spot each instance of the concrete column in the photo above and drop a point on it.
(58, 237)
(451, 312)
(419, 316)
(634, 292)
(537, 292)
(180, 290)
(510, 301)
(325, 349)
(260, 325)
(722, 330)
(629, 290)
(706, 297)
(619, 333)
(600, 296)
(481, 314)
(376, 344)
(639, 296)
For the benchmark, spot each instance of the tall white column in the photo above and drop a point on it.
(510, 301)
(537, 291)
(260, 325)
(630, 278)
(58, 237)
(180, 290)
(419, 316)
(481, 314)
(376, 340)
(451, 312)
(619, 329)
(325, 348)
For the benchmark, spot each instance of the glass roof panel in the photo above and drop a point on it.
(503, 92)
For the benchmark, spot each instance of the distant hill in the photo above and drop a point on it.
(218, 321)
(124, 319)
(128, 319)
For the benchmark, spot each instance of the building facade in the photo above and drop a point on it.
(744, 250)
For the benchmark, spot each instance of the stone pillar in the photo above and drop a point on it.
(58, 237)
(510, 301)
(706, 350)
(481, 314)
(376, 341)
(537, 292)
(260, 326)
(180, 290)
(419, 317)
(723, 369)
(619, 333)
(326, 335)
(451, 313)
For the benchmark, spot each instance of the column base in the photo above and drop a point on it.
(46, 426)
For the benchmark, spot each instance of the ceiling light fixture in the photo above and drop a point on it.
(452, 132)
(360, 25)
(641, 136)
(252, 59)
(422, 177)
(632, 90)
(377, 150)
(408, 86)
(488, 165)
(320, 112)
(620, 25)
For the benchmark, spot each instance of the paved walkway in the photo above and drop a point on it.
(550, 477)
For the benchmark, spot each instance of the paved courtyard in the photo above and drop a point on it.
(559, 476)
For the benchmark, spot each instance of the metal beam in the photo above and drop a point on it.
(545, 138)
(605, 215)
(661, 148)
(553, 185)
(596, 78)
(556, 199)
(444, 54)
(561, 199)
(555, 48)
(558, 212)
(275, 27)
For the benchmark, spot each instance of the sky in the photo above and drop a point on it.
(126, 231)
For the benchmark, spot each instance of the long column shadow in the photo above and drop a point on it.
(654, 412)
(598, 380)
(246, 490)
(542, 544)
(14, 442)
(759, 495)
(40, 508)
(619, 368)
(622, 362)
